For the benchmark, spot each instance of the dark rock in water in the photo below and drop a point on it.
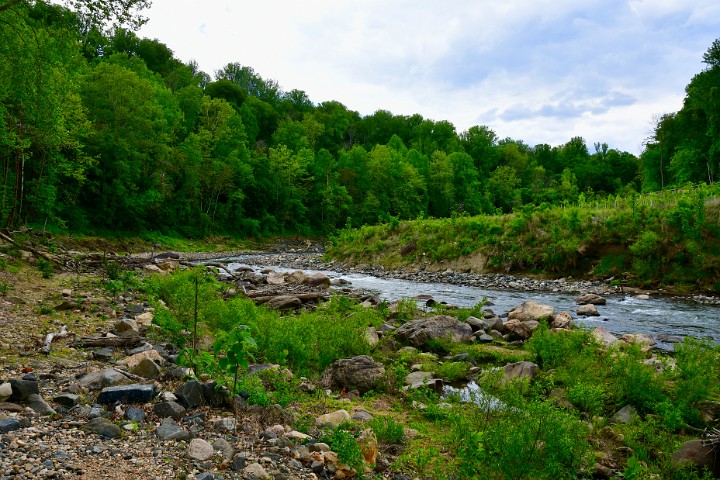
(169, 409)
(360, 372)
(135, 414)
(67, 400)
(22, 389)
(190, 395)
(135, 393)
(104, 428)
(170, 430)
(9, 425)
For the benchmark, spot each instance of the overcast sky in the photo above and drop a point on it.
(541, 71)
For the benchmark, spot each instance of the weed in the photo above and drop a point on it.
(45, 267)
(387, 430)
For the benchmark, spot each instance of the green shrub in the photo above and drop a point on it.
(45, 267)
(452, 371)
(387, 430)
(587, 397)
(553, 349)
(343, 443)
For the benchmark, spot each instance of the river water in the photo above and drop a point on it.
(622, 314)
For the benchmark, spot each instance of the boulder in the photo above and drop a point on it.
(284, 302)
(530, 310)
(136, 393)
(476, 324)
(125, 324)
(199, 450)
(590, 299)
(190, 395)
(317, 280)
(22, 389)
(518, 329)
(104, 427)
(169, 409)
(562, 320)
(603, 336)
(146, 368)
(8, 425)
(39, 405)
(624, 415)
(521, 370)
(587, 310)
(170, 430)
(644, 341)
(334, 418)
(361, 373)
(696, 453)
(103, 378)
(6, 391)
(275, 278)
(418, 332)
(415, 378)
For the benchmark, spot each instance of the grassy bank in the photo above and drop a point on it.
(671, 241)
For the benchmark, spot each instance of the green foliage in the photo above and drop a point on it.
(453, 371)
(590, 398)
(387, 430)
(233, 350)
(343, 442)
(637, 382)
(555, 348)
(46, 268)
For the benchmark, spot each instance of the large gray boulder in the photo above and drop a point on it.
(590, 299)
(361, 373)
(418, 332)
(531, 311)
(521, 370)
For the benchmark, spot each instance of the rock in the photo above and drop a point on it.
(275, 278)
(317, 280)
(530, 310)
(521, 370)
(295, 435)
(148, 353)
(518, 330)
(22, 389)
(694, 452)
(588, 310)
(624, 415)
(590, 299)
(476, 324)
(334, 418)
(8, 425)
(371, 336)
(664, 337)
(483, 337)
(170, 430)
(361, 373)
(169, 409)
(644, 341)
(144, 319)
(104, 354)
(216, 395)
(255, 471)
(104, 427)
(67, 400)
(284, 302)
(415, 378)
(190, 395)
(562, 320)
(135, 393)
(150, 268)
(125, 324)
(603, 336)
(238, 461)
(39, 405)
(103, 378)
(6, 391)
(199, 450)
(146, 368)
(418, 332)
(224, 424)
(369, 446)
(135, 415)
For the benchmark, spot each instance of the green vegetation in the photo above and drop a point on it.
(666, 239)
(556, 425)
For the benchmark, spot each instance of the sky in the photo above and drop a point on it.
(540, 71)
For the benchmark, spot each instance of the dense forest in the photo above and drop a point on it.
(102, 130)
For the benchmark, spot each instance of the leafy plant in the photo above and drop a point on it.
(342, 442)
(387, 430)
(46, 267)
(234, 349)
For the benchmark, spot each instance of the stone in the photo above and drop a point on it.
(238, 461)
(144, 319)
(369, 446)
(104, 354)
(170, 430)
(518, 329)
(603, 337)
(419, 331)
(284, 302)
(22, 389)
(371, 336)
(190, 395)
(361, 373)
(223, 446)
(664, 337)
(476, 324)
(318, 279)
(255, 471)
(334, 418)
(588, 310)
(483, 337)
(624, 415)
(415, 378)
(103, 378)
(39, 405)
(224, 424)
(146, 368)
(215, 395)
(295, 435)
(521, 370)
(199, 450)
(590, 299)
(169, 409)
(104, 427)
(8, 425)
(134, 360)
(134, 414)
(6, 391)
(695, 453)
(530, 310)
(275, 278)
(67, 400)
(643, 340)
(125, 324)
(135, 393)
(562, 320)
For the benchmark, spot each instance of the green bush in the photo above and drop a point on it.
(587, 397)
(45, 267)
(556, 348)
(343, 443)
(387, 430)
(452, 371)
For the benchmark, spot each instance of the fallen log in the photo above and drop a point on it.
(50, 337)
(130, 338)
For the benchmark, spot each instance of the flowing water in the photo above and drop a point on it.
(628, 314)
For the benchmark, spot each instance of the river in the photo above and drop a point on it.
(622, 314)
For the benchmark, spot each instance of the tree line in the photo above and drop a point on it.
(101, 130)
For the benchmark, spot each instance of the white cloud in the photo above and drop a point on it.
(542, 71)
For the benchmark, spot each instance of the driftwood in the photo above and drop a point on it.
(53, 336)
(303, 297)
(130, 338)
(221, 267)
